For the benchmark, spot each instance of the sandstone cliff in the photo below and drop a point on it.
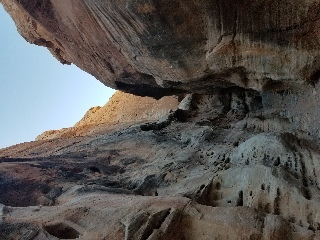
(122, 110)
(225, 166)
(237, 158)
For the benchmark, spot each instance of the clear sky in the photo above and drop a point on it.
(38, 93)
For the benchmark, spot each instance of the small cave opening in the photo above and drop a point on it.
(62, 231)
(315, 77)
(240, 199)
(94, 169)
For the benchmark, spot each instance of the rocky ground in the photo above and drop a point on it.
(216, 168)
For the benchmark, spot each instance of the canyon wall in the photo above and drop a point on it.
(233, 153)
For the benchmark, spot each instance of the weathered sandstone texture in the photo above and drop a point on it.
(121, 110)
(234, 155)
(163, 47)
(234, 165)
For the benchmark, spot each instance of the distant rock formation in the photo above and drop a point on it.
(122, 109)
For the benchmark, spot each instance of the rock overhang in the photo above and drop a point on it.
(158, 48)
(235, 153)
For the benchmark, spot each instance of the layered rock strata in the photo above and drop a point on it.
(229, 166)
(122, 110)
(158, 48)
(237, 159)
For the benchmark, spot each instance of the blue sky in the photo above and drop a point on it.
(37, 93)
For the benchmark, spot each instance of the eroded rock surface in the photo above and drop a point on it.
(236, 158)
(234, 165)
(158, 48)
(121, 110)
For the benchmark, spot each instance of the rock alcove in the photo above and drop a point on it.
(229, 151)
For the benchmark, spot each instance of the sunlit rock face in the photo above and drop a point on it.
(158, 48)
(122, 109)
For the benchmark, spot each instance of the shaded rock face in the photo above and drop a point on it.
(236, 158)
(158, 48)
(233, 165)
